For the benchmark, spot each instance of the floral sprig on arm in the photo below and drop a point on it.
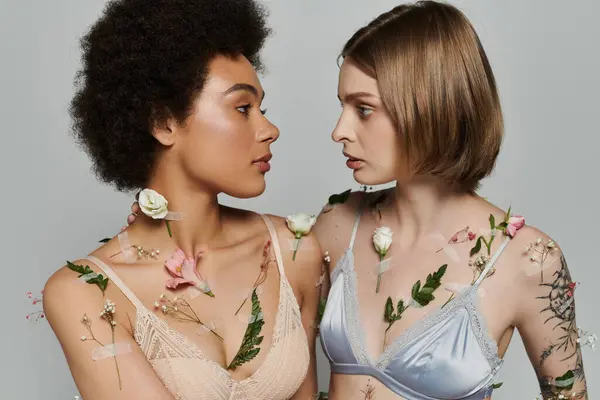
(382, 240)
(300, 224)
(154, 205)
(420, 295)
(542, 249)
(248, 350)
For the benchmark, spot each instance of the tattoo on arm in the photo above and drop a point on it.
(560, 311)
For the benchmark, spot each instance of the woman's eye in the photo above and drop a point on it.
(245, 109)
(364, 111)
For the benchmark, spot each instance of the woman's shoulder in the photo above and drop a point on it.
(67, 286)
(529, 250)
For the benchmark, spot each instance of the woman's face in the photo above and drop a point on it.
(365, 128)
(225, 143)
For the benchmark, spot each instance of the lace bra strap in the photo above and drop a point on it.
(275, 241)
(117, 281)
(492, 261)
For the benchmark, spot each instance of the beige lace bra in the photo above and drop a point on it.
(189, 375)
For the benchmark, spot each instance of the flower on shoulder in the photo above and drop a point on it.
(300, 224)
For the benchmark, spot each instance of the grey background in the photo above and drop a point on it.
(546, 59)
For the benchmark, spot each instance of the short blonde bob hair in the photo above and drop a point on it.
(437, 84)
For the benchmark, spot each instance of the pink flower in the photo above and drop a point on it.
(182, 269)
(514, 224)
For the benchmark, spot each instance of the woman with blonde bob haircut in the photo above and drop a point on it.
(428, 280)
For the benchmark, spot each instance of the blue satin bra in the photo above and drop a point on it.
(447, 355)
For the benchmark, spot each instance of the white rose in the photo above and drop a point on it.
(153, 204)
(382, 240)
(300, 224)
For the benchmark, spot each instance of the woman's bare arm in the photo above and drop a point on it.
(67, 300)
(546, 321)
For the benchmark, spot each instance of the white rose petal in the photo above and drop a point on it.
(382, 240)
(300, 223)
(153, 204)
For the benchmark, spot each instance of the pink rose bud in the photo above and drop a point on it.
(514, 224)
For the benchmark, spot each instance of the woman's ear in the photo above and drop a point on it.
(165, 131)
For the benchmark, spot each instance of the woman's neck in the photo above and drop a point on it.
(201, 224)
(422, 207)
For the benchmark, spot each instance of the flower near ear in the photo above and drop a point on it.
(514, 224)
(382, 240)
(300, 224)
(153, 204)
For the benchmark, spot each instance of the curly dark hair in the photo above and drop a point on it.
(145, 61)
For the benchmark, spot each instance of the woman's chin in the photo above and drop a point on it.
(369, 177)
(247, 190)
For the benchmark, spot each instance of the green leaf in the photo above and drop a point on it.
(415, 289)
(508, 214)
(99, 280)
(75, 268)
(492, 221)
(477, 248)
(497, 385)
(105, 240)
(502, 225)
(401, 308)
(251, 338)
(388, 314)
(440, 272)
(427, 290)
(340, 197)
(321, 310)
(566, 381)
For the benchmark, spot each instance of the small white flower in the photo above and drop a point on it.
(551, 244)
(162, 296)
(382, 240)
(113, 323)
(164, 309)
(153, 204)
(539, 241)
(300, 224)
(83, 338)
(156, 304)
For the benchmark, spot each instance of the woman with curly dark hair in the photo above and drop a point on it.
(192, 301)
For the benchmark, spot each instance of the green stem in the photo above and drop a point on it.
(168, 228)
(379, 274)
(298, 237)
(115, 350)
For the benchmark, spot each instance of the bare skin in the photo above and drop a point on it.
(424, 214)
(212, 153)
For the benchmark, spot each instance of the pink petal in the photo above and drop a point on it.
(173, 283)
(189, 271)
(511, 230)
(175, 262)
